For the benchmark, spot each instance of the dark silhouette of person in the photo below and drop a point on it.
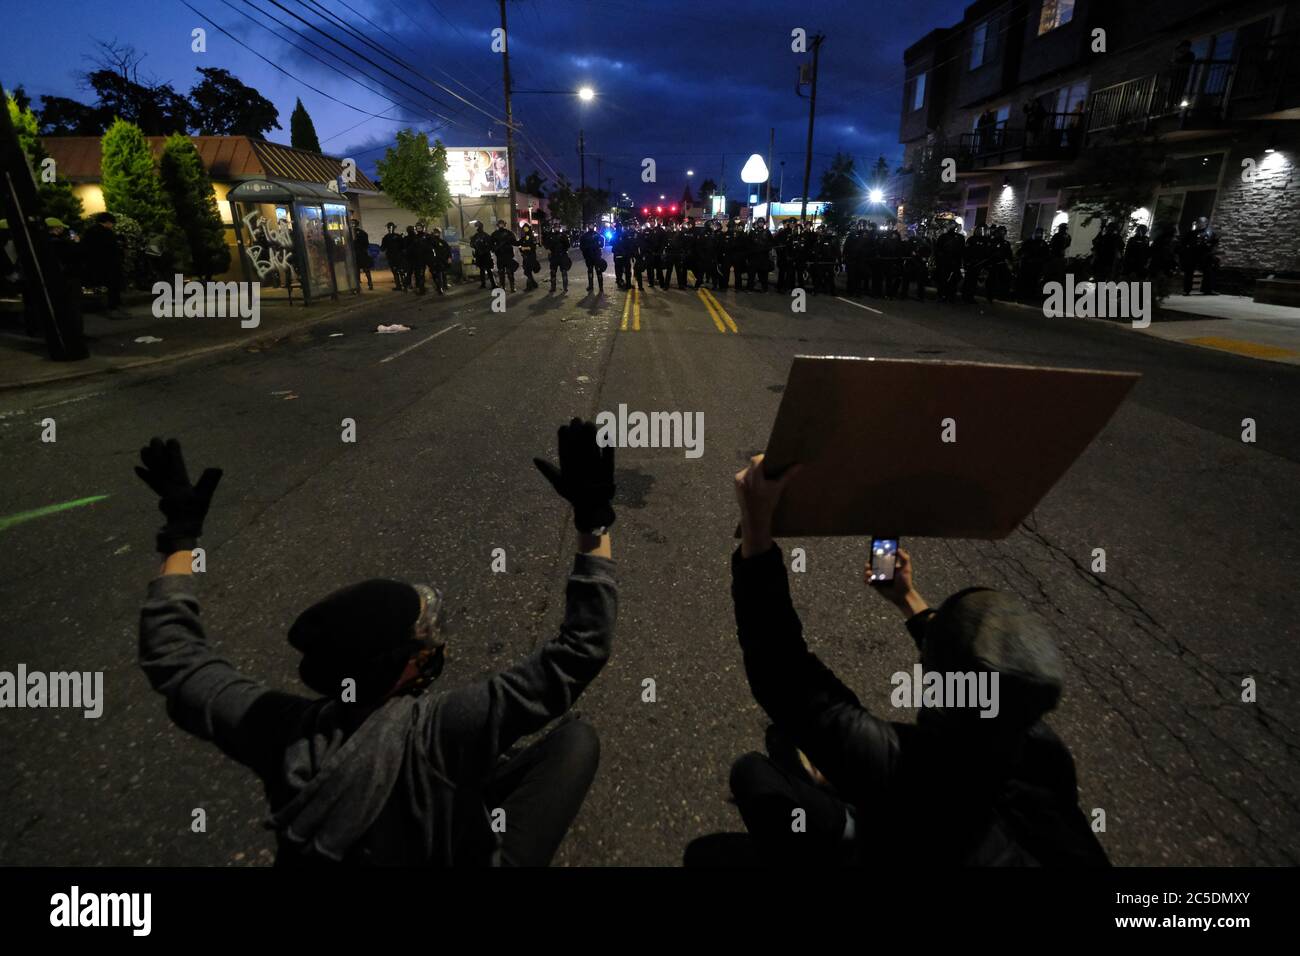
(983, 785)
(378, 768)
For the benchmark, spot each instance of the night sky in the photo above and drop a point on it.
(693, 84)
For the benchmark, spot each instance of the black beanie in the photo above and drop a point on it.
(363, 631)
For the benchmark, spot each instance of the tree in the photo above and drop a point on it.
(120, 92)
(707, 189)
(123, 93)
(128, 178)
(61, 116)
(687, 198)
(565, 204)
(533, 184)
(415, 176)
(928, 194)
(842, 190)
(57, 198)
(194, 206)
(1112, 180)
(302, 132)
(223, 106)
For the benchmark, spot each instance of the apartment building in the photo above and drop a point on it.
(1027, 95)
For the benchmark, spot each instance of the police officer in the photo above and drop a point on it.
(591, 243)
(916, 262)
(949, 251)
(737, 253)
(503, 247)
(1197, 254)
(760, 255)
(439, 260)
(1106, 250)
(1034, 253)
(528, 252)
(480, 245)
(361, 254)
(394, 248)
(417, 254)
(557, 255)
(623, 241)
(706, 256)
(1059, 245)
(998, 259)
(973, 261)
(853, 262)
(1137, 254)
(675, 258)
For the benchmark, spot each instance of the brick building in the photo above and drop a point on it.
(1027, 95)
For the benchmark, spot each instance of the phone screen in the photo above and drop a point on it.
(884, 551)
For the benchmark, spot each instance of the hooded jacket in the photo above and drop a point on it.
(400, 783)
(922, 793)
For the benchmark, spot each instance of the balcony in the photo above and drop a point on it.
(1048, 138)
(1196, 93)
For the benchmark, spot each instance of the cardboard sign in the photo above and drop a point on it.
(902, 447)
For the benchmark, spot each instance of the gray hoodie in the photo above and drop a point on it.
(399, 784)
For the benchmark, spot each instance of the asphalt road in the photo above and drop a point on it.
(1200, 531)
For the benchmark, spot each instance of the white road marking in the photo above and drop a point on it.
(859, 305)
(418, 344)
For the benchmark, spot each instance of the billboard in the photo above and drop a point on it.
(478, 171)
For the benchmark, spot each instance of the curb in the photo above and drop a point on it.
(263, 338)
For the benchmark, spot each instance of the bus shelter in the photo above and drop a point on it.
(293, 234)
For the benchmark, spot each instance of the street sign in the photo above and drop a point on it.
(894, 447)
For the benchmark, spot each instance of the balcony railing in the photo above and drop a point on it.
(1269, 70)
(1047, 136)
(1197, 91)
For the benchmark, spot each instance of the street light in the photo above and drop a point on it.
(586, 94)
(690, 172)
(876, 195)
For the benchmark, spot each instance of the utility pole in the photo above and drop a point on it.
(771, 141)
(812, 112)
(510, 120)
(49, 297)
(582, 182)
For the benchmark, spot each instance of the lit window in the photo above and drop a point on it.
(918, 91)
(1056, 13)
(978, 45)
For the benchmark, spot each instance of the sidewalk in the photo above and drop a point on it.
(24, 361)
(1232, 323)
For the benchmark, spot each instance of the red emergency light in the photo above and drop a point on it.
(645, 210)
(673, 208)
(659, 208)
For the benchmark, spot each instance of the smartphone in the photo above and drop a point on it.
(884, 555)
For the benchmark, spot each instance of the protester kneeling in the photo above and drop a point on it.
(974, 785)
(382, 768)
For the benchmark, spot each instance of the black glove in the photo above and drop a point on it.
(184, 505)
(585, 477)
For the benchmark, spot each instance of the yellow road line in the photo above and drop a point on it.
(627, 304)
(712, 312)
(636, 312)
(1253, 349)
(718, 305)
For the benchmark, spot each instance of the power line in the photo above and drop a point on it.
(297, 79)
(393, 103)
(398, 60)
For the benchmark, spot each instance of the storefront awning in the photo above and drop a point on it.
(282, 190)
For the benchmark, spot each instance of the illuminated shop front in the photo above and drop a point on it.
(293, 236)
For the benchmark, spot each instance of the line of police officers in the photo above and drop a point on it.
(877, 260)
